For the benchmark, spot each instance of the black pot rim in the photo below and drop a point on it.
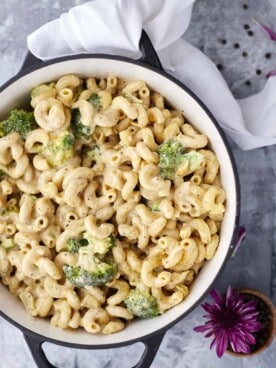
(163, 330)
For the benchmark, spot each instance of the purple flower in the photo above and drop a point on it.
(267, 30)
(232, 321)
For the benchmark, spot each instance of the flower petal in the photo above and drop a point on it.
(207, 307)
(209, 334)
(267, 30)
(216, 297)
(202, 328)
(240, 239)
(239, 345)
(271, 73)
(254, 327)
(229, 296)
(214, 342)
(222, 344)
(250, 339)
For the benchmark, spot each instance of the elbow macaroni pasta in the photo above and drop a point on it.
(159, 251)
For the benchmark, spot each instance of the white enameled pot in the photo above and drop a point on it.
(17, 91)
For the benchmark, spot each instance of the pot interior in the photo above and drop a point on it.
(17, 94)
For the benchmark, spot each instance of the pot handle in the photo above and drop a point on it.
(152, 345)
(30, 61)
(149, 55)
(35, 346)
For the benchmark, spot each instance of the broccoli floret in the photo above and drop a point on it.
(127, 96)
(154, 206)
(7, 243)
(42, 89)
(170, 157)
(92, 268)
(95, 100)
(77, 91)
(61, 150)
(102, 273)
(79, 130)
(2, 174)
(100, 246)
(19, 121)
(141, 305)
(4, 211)
(73, 245)
(195, 159)
(94, 153)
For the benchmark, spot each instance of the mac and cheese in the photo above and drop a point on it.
(110, 204)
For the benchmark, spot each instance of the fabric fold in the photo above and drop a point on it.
(114, 27)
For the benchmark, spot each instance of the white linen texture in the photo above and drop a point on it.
(114, 27)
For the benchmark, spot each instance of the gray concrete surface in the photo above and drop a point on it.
(255, 263)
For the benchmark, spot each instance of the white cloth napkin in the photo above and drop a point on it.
(114, 27)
